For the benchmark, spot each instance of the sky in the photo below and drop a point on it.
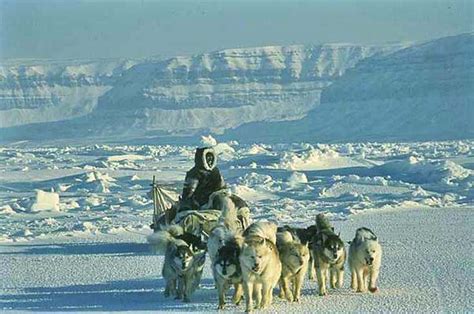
(79, 29)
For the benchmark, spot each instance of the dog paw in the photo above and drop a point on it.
(323, 293)
(186, 300)
(296, 299)
(237, 300)
(374, 289)
(221, 306)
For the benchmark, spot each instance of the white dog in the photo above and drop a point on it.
(365, 256)
(260, 263)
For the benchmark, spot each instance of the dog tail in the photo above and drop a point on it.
(322, 223)
(160, 240)
(285, 237)
(264, 230)
(363, 234)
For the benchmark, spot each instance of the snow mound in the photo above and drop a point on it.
(257, 149)
(208, 140)
(315, 159)
(420, 171)
(94, 181)
(223, 150)
(6, 210)
(297, 178)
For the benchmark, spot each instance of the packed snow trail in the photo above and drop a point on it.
(426, 266)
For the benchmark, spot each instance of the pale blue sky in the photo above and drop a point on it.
(63, 29)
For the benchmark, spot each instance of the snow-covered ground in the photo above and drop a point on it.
(426, 267)
(87, 250)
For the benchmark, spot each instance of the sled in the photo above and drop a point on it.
(198, 222)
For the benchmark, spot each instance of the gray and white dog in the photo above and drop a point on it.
(329, 255)
(365, 257)
(184, 261)
(224, 247)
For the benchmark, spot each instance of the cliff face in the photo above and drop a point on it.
(179, 96)
(423, 92)
(39, 91)
(225, 89)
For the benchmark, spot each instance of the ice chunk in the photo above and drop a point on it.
(45, 201)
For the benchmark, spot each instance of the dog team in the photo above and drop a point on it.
(255, 260)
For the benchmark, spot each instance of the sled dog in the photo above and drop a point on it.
(260, 263)
(227, 202)
(224, 247)
(184, 261)
(294, 257)
(329, 255)
(305, 236)
(365, 256)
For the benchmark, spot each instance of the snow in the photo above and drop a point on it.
(93, 242)
(424, 269)
(74, 216)
(286, 181)
(314, 159)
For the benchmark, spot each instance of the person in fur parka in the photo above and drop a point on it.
(202, 180)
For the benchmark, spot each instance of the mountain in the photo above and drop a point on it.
(179, 96)
(47, 91)
(225, 89)
(423, 92)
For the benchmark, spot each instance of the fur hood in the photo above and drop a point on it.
(200, 158)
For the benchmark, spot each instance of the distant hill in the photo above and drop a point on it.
(423, 92)
(210, 92)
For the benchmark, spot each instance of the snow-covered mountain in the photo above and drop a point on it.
(334, 92)
(46, 91)
(182, 95)
(423, 92)
(225, 89)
